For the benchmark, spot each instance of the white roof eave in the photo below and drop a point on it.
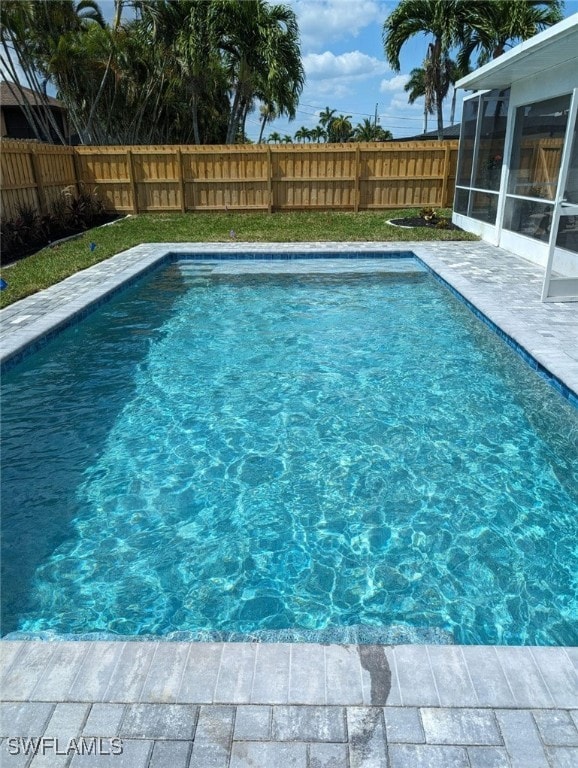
(552, 47)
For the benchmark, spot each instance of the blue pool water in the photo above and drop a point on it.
(248, 454)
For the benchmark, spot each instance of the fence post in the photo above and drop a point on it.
(180, 177)
(132, 181)
(446, 176)
(357, 190)
(77, 169)
(38, 180)
(269, 180)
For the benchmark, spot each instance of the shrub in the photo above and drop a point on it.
(83, 208)
(68, 212)
(59, 212)
(428, 214)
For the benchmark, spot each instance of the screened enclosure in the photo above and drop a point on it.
(517, 175)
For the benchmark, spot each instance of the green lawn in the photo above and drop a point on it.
(50, 265)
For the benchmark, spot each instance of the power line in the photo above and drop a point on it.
(362, 114)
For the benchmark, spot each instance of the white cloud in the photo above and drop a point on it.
(324, 21)
(350, 65)
(393, 84)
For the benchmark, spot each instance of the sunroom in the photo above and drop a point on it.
(517, 175)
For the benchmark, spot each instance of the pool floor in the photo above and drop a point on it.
(398, 547)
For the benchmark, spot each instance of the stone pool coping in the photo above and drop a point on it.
(221, 705)
(504, 288)
(243, 705)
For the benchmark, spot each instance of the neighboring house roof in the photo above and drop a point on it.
(554, 46)
(450, 132)
(12, 96)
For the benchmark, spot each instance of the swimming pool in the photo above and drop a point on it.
(217, 452)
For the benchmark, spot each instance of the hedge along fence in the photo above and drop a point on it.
(240, 177)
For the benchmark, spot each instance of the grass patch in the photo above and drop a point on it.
(50, 265)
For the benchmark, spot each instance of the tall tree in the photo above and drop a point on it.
(176, 72)
(498, 24)
(318, 134)
(443, 21)
(268, 114)
(339, 129)
(34, 37)
(325, 117)
(420, 86)
(368, 130)
(303, 134)
(262, 58)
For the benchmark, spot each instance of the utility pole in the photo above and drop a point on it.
(375, 122)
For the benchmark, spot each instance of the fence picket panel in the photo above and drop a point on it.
(261, 177)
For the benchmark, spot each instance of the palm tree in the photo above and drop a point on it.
(325, 117)
(275, 137)
(268, 113)
(419, 86)
(340, 129)
(179, 71)
(444, 21)
(318, 134)
(287, 139)
(498, 24)
(369, 131)
(261, 52)
(192, 32)
(35, 35)
(303, 134)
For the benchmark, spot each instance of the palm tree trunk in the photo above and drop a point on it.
(233, 118)
(440, 120)
(453, 110)
(97, 98)
(195, 111)
(262, 131)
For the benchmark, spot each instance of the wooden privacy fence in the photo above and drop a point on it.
(241, 177)
(34, 174)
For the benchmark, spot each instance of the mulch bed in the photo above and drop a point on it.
(9, 256)
(418, 221)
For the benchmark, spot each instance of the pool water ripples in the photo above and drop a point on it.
(307, 452)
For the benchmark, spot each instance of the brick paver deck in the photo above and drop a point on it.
(242, 705)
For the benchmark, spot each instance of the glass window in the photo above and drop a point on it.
(529, 217)
(568, 228)
(484, 206)
(461, 201)
(537, 148)
(571, 189)
(490, 154)
(467, 139)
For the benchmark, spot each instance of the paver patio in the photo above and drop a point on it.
(236, 705)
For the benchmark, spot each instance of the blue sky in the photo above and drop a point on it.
(341, 44)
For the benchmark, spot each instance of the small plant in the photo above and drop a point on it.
(27, 218)
(27, 224)
(443, 223)
(494, 162)
(59, 211)
(11, 235)
(428, 214)
(536, 191)
(83, 208)
(92, 204)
